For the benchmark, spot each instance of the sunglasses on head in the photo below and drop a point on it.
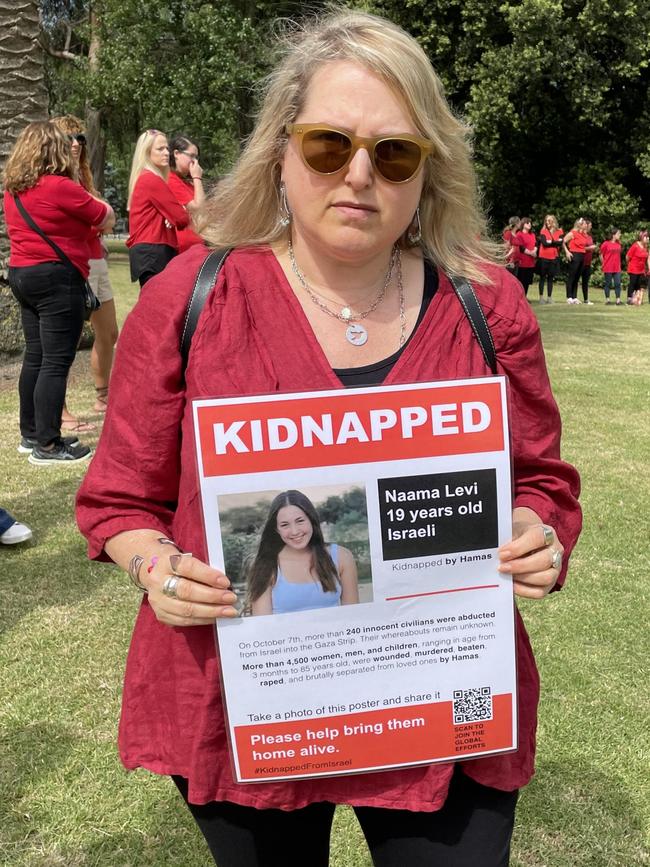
(80, 138)
(327, 150)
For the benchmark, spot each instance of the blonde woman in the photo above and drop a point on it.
(103, 320)
(550, 241)
(352, 202)
(154, 212)
(41, 176)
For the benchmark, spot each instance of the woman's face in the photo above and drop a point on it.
(549, 223)
(184, 159)
(616, 236)
(294, 527)
(354, 214)
(159, 152)
(75, 147)
(526, 226)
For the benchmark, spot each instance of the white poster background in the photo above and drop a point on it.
(352, 688)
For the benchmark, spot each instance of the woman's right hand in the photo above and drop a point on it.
(202, 594)
(195, 170)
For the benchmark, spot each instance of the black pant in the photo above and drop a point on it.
(636, 281)
(52, 312)
(575, 270)
(473, 828)
(585, 277)
(547, 271)
(147, 260)
(525, 277)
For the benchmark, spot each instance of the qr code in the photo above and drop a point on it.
(472, 705)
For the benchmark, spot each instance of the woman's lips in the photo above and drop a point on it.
(354, 210)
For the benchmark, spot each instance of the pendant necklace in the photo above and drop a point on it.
(355, 333)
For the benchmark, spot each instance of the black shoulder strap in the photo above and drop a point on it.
(33, 225)
(205, 280)
(477, 320)
(209, 271)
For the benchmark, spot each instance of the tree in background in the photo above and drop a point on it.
(23, 99)
(552, 90)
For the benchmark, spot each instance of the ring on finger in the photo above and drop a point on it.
(548, 535)
(170, 586)
(556, 559)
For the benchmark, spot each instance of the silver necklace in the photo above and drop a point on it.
(355, 333)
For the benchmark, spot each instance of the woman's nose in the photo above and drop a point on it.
(360, 172)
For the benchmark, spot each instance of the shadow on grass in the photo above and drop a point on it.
(574, 815)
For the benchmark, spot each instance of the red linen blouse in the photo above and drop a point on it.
(172, 714)
(611, 253)
(153, 205)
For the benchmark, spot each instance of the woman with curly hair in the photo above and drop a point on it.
(46, 207)
(293, 569)
(103, 320)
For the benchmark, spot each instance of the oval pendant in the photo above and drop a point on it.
(356, 334)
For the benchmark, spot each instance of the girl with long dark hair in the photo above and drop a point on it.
(185, 182)
(294, 570)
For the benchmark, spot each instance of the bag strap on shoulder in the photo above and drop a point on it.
(203, 285)
(474, 312)
(209, 271)
(36, 228)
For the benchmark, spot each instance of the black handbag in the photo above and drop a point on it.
(91, 301)
(209, 271)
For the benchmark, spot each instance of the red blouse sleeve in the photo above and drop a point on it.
(132, 482)
(542, 480)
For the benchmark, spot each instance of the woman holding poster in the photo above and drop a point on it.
(352, 202)
(293, 569)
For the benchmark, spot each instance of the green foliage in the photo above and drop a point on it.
(552, 88)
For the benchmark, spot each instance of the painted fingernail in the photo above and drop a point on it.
(174, 560)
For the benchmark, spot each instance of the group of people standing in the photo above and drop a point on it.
(528, 254)
(56, 220)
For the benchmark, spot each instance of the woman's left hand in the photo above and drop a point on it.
(533, 556)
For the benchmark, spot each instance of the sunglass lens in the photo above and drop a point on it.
(81, 139)
(397, 159)
(325, 150)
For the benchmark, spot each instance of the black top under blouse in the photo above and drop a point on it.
(375, 374)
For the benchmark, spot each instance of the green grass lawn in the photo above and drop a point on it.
(65, 625)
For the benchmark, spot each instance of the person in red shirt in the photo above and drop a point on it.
(104, 320)
(154, 212)
(549, 241)
(638, 265)
(41, 174)
(610, 260)
(574, 246)
(525, 244)
(508, 236)
(585, 274)
(317, 203)
(185, 182)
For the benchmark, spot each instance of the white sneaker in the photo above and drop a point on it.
(577, 301)
(569, 301)
(16, 533)
(589, 303)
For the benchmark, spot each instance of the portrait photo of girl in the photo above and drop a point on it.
(293, 568)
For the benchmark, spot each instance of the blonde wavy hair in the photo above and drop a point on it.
(71, 125)
(553, 219)
(244, 208)
(40, 149)
(142, 160)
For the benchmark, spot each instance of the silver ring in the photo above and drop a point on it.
(170, 585)
(548, 535)
(556, 560)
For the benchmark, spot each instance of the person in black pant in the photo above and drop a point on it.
(574, 245)
(44, 204)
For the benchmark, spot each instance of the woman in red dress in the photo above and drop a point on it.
(356, 187)
(154, 212)
(185, 182)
